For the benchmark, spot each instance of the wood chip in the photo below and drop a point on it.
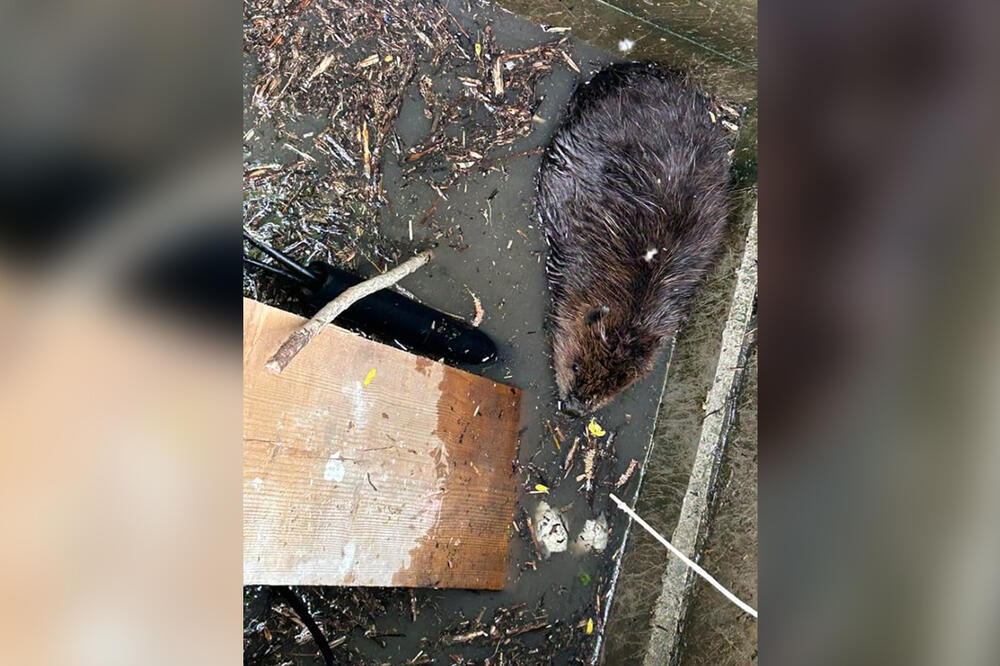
(623, 479)
(300, 153)
(569, 61)
(367, 151)
(479, 309)
(497, 77)
(323, 65)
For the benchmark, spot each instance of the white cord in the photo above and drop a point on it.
(698, 570)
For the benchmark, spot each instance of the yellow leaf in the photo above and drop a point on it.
(590, 626)
(479, 49)
(712, 116)
(388, 58)
(540, 488)
(595, 428)
(370, 376)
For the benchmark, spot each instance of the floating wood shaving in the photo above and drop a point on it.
(552, 432)
(463, 639)
(569, 457)
(623, 479)
(323, 65)
(497, 77)
(479, 309)
(299, 152)
(569, 61)
(366, 149)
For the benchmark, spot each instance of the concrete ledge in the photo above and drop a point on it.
(671, 607)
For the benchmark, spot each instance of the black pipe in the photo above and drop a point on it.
(391, 316)
(278, 256)
(300, 608)
(386, 314)
(274, 270)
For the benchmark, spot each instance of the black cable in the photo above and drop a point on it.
(278, 256)
(300, 608)
(272, 269)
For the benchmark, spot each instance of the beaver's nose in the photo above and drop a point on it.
(572, 406)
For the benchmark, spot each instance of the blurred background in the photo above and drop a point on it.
(879, 325)
(120, 185)
(120, 173)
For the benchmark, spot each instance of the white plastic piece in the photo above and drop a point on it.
(550, 530)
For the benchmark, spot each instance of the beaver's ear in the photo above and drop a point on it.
(595, 315)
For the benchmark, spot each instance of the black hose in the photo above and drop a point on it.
(279, 256)
(300, 608)
(272, 269)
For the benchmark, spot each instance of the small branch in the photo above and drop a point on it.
(302, 336)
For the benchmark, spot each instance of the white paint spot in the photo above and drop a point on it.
(650, 253)
(359, 405)
(334, 470)
(625, 45)
(257, 482)
(348, 559)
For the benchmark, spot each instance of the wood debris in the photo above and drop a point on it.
(568, 464)
(479, 309)
(623, 479)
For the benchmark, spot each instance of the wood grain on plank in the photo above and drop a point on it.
(366, 465)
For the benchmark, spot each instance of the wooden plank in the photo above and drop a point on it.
(366, 465)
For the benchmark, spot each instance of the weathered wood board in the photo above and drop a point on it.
(366, 465)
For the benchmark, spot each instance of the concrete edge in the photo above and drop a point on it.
(671, 607)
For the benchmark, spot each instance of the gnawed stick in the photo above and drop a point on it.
(301, 336)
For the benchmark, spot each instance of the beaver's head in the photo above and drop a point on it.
(598, 352)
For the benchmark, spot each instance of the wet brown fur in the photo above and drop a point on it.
(637, 165)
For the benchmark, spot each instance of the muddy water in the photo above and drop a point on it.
(503, 268)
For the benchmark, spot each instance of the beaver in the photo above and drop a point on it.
(632, 196)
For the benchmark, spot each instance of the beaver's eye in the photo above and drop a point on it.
(576, 368)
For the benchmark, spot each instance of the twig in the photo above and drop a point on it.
(303, 335)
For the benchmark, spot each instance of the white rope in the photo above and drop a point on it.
(698, 570)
